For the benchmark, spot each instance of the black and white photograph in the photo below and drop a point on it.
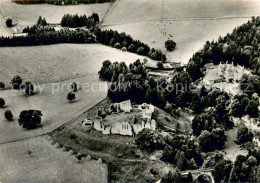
(129, 91)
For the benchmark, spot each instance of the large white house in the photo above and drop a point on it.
(230, 72)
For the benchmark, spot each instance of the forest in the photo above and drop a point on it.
(241, 47)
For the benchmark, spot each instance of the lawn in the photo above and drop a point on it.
(46, 164)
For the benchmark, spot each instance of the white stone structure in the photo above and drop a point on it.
(129, 128)
(230, 72)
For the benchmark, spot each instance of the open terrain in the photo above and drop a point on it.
(27, 15)
(189, 23)
(54, 67)
(46, 163)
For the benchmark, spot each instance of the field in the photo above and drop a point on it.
(46, 164)
(61, 64)
(189, 23)
(28, 14)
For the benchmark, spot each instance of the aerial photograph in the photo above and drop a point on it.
(129, 91)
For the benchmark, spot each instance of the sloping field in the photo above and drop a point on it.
(62, 64)
(190, 35)
(190, 23)
(52, 63)
(29, 14)
(45, 164)
(129, 11)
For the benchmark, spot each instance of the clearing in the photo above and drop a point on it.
(46, 163)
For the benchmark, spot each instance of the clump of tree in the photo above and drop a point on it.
(182, 152)
(46, 35)
(159, 65)
(176, 178)
(244, 135)
(222, 170)
(246, 168)
(243, 105)
(71, 96)
(212, 141)
(149, 140)
(2, 102)
(8, 115)
(9, 22)
(41, 22)
(30, 119)
(80, 21)
(170, 45)
(2, 85)
(16, 82)
(121, 40)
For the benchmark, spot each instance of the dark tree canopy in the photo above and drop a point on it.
(9, 22)
(244, 135)
(16, 82)
(71, 96)
(150, 140)
(2, 85)
(30, 119)
(2, 102)
(170, 45)
(8, 115)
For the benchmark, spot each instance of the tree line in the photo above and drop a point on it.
(80, 21)
(40, 33)
(122, 40)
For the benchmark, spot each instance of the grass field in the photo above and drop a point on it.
(61, 64)
(29, 14)
(45, 164)
(190, 23)
(53, 63)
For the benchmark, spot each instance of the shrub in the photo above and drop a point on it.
(29, 88)
(170, 45)
(8, 115)
(244, 135)
(2, 102)
(71, 96)
(159, 65)
(117, 46)
(16, 82)
(2, 85)
(9, 22)
(30, 119)
(150, 140)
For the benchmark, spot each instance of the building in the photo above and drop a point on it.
(126, 106)
(131, 126)
(230, 72)
(87, 123)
